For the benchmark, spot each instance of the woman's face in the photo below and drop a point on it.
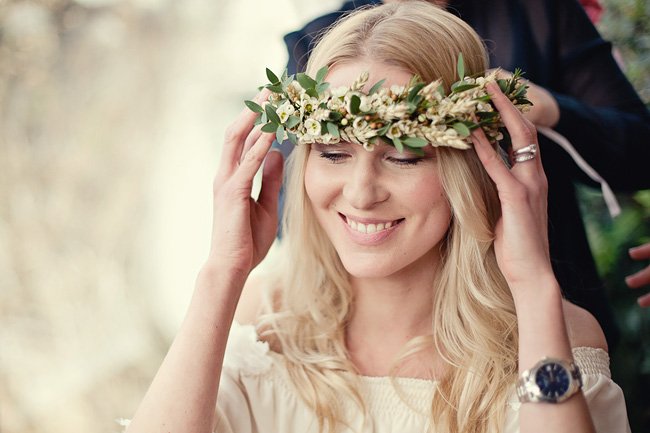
(383, 211)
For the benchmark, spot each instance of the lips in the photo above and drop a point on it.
(369, 231)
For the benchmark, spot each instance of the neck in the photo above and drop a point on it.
(388, 312)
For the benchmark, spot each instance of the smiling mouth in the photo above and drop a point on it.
(370, 227)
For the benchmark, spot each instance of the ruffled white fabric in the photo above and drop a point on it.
(244, 352)
(257, 396)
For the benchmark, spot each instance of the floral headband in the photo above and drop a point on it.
(307, 110)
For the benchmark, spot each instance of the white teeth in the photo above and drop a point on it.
(368, 228)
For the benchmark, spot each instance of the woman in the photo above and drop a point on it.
(579, 90)
(419, 286)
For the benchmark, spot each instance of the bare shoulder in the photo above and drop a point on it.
(259, 292)
(583, 328)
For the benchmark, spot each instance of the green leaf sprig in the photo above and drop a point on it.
(307, 110)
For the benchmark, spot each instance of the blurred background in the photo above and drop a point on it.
(111, 118)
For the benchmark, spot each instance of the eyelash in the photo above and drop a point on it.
(337, 158)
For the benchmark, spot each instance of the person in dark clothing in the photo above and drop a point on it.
(598, 111)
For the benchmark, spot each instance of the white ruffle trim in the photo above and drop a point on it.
(244, 352)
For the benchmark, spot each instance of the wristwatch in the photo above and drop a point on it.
(550, 380)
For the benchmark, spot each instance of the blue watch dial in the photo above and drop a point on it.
(553, 380)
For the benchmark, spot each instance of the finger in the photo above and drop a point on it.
(236, 135)
(271, 181)
(521, 130)
(644, 301)
(250, 140)
(640, 279)
(641, 252)
(491, 160)
(253, 159)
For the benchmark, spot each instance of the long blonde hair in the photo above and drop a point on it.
(474, 326)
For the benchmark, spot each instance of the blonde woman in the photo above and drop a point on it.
(418, 294)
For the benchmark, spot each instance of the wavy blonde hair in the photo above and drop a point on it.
(474, 326)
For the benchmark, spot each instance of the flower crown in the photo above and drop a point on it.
(307, 110)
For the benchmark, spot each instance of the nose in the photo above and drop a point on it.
(365, 187)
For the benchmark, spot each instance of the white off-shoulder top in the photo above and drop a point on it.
(256, 396)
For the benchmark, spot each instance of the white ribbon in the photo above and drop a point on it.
(608, 194)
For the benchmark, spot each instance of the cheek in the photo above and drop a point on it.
(318, 183)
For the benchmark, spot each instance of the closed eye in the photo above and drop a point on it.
(405, 161)
(334, 157)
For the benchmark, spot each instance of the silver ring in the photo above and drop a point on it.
(523, 157)
(525, 153)
(531, 148)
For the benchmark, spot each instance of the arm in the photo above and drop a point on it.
(521, 248)
(183, 394)
(600, 113)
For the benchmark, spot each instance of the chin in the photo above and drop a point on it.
(369, 267)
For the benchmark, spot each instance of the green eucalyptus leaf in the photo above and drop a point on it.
(398, 145)
(312, 92)
(271, 114)
(333, 129)
(279, 134)
(275, 88)
(376, 86)
(461, 128)
(270, 127)
(253, 106)
(320, 75)
(292, 121)
(293, 138)
(487, 115)
(460, 67)
(355, 102)
(335, 116)
(264, 118)
(322, 87)
(258, 120)
(415, 142)
(414, 91)
(306, 81)
(272, 77)
(415, 150)
(463, 87)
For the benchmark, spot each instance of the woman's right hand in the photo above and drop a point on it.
(243, 228)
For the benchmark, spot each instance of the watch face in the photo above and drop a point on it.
(553, 380)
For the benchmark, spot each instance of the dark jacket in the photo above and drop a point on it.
(557, 46)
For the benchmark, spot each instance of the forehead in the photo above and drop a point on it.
(344, 74)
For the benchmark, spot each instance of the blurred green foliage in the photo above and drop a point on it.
(627, 24)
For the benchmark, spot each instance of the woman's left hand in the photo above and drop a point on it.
(521, 237)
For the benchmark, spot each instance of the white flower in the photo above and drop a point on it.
(359, 123)
(396, 90)
(312, 127)
(307, 104)
(394, 131)
(244, 352)
(321, 114)
(284, 111)
(397, 111)
(365, 105)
